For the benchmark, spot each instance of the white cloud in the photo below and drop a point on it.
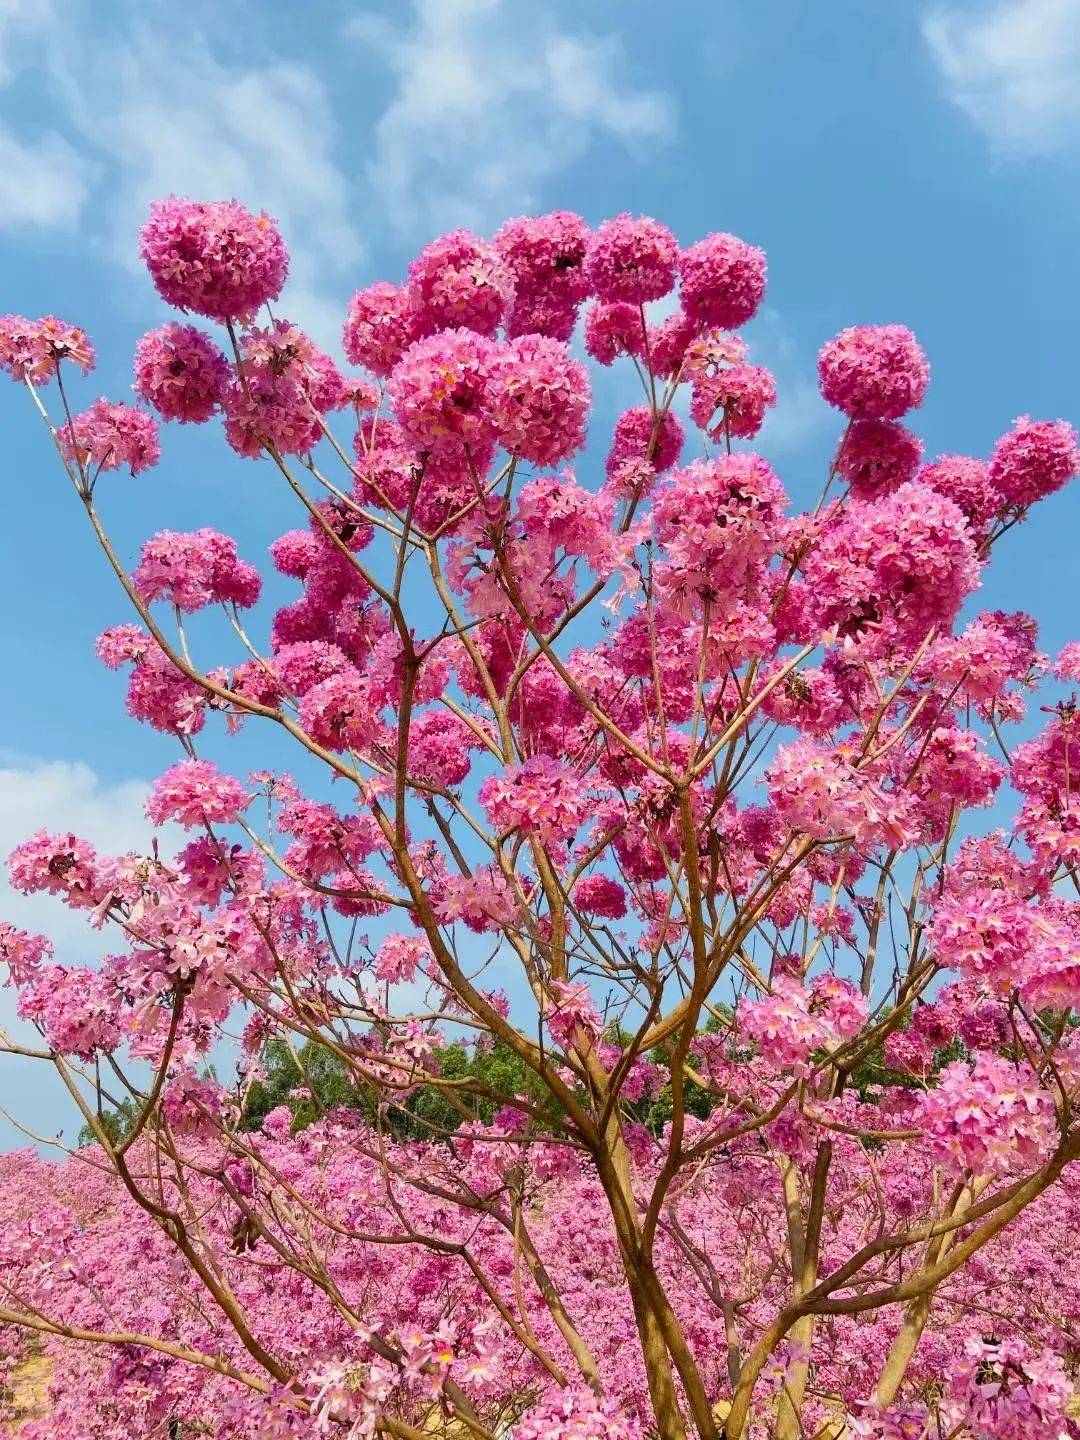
(65, 795)
(492, 100)
(43, 182)
(1014, 68)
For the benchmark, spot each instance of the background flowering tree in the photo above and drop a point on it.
(611, 1026)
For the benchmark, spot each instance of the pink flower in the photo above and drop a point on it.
(195, 793)
(740, 393)
(613, 328)
(886, 571)
(669, 342)
(632, 259)
(569, 1010)
(722, 281)
(339, 713)
(1005, 1390)
(194, 570)
(181, 373)
(785, 1027)
(285, 384)
(460, 282)
(108, 436)
(968, 484)
(441, 391)
(600, 895)
(215, 258)
(381, 325)
(576, 1414)
(1034, 459)
(398, 958)
(874, 372)
(22, 952)
(1067, 664)
(78, 1010)
(55, 865)
(439, 746)
(990, 1117)
(120, 644)
(878, 456)
(641, 437)
(817, 791)
(540, 400)
(305, 663)
(35, 349)
(716, 522)
(540, 797)
(546, 254)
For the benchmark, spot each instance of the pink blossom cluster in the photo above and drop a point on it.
(794, 1020)
(35, 349)
(181, 373)
(990, 1117)
(107, 436)
(194, 570)
(196, 793)
(215, 258)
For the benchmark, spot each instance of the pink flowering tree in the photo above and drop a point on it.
(677, 1050)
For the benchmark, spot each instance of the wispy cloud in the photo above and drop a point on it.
(491, 100)
(1014, 68)
(44, 182)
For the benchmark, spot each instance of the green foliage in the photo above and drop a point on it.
(116, 1123)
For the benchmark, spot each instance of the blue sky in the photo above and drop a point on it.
(914, 162)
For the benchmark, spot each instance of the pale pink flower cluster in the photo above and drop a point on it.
(1006, 1390)
(195, 569)
(817, 790)
(794, 1020)
(34, 349)
(541, 796)
(991, 1117)
(577, 1414)
(196, 793)
(107, 436)
(399, 957)
(571, 1009)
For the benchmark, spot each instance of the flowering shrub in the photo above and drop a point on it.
(611, 1025)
